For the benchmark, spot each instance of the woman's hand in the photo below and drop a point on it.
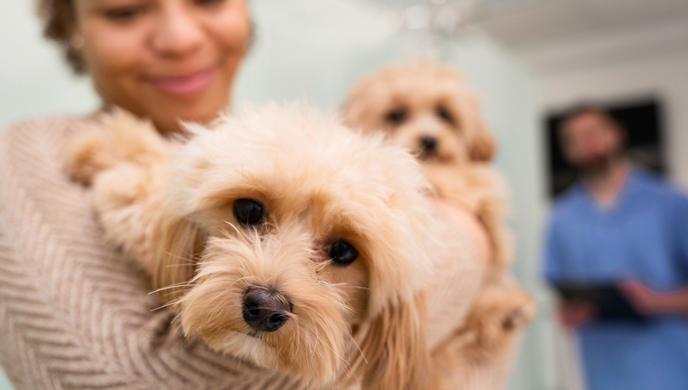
(470, 224)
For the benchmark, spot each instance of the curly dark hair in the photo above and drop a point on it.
(58, 25)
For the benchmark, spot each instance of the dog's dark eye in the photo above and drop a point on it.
(342, 253)
(444, 114)
(396, 116)
(248, 212)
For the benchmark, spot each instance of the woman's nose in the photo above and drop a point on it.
(177, 33)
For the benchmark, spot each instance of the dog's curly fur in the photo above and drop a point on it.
(169, 204)
(428, 108)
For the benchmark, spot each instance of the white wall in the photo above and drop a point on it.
(33, 77)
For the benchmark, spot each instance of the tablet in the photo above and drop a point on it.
(610, 303)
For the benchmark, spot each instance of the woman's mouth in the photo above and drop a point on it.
(185, 84)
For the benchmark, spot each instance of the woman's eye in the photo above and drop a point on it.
(248, 212)
(444, 114)
(342, 253)
(122, 14)
(396, 116)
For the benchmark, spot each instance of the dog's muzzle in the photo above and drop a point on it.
(427, 145)
(265, 310)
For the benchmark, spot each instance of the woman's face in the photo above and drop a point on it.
(168, 60)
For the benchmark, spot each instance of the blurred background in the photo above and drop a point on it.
(528, 59)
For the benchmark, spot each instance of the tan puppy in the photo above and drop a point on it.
(428, 108)
(279, 236)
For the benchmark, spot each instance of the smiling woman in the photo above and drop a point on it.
(168, 60)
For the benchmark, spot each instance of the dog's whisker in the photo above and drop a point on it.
(318, 266)
(317, 337)
(346, 367)
(240, 280)
(324, 283)
(167, 305)
(170, 287)
(350, 286)
(186, 259)
(235, 228)
(178, 265)
(358, 347)
(270, 280)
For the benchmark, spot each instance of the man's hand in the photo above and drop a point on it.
(574, 312)
(647, 301)
(643, 299)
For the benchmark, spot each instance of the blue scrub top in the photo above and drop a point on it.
(642, 236)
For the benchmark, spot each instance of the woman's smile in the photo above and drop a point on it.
(184, 84)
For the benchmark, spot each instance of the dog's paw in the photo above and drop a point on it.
(495, 318)
(122, 139)
(87, 155)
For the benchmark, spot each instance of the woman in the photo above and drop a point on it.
(72, 313)
(167, 60)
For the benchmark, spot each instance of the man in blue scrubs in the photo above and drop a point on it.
(621, 225)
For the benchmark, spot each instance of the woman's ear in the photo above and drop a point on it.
(173, 265)
(395, 349)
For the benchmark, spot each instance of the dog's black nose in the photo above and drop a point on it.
(264, 310)
(427, 144)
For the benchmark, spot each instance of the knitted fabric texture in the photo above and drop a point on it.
(75, 315)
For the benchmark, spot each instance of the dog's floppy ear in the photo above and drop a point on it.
(354, 114)
(482, 146)
(395, 349)
(364, 105)
(179, 243)
(481, 141)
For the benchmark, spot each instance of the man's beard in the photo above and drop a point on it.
(598, 165)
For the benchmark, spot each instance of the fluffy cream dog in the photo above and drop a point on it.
(428, 108)
(278, 235)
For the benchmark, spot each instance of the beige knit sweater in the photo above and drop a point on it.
(74, 315)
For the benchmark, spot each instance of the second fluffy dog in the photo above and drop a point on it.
(428, 108)
(278, 235)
